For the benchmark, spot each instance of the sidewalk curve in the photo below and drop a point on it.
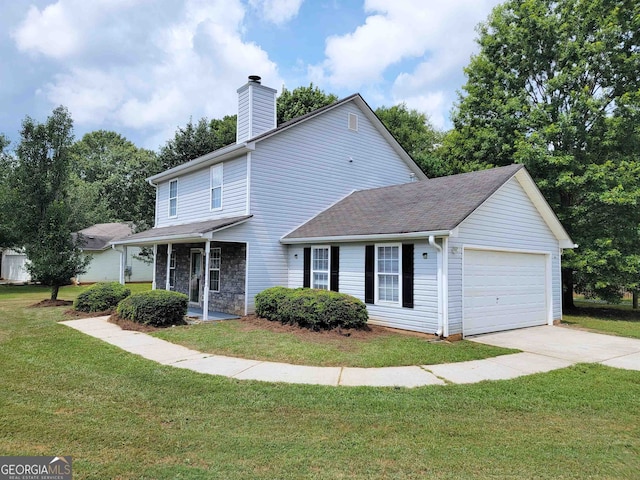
(166, 353)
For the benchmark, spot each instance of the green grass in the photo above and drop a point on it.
(391, 349)
(612, 319)
(120, 416)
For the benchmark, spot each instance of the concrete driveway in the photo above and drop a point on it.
(569, 344)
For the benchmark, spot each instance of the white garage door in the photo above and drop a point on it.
(503, 291)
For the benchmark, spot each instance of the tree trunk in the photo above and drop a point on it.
(567, 290)
(54, 292)
(635, 299)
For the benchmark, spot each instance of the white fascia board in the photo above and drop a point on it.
(216, 156)
(541, 204)
(161, 239)
(365, 238)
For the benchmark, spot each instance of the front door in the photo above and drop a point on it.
(195, 278)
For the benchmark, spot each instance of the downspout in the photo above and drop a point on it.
(121, 273)
(432, 242)
(445, 286)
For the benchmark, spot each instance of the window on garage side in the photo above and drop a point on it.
(320, 267)
(388, 278)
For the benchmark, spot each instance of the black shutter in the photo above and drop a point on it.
(335, 269)
(407, 275)
(306, 281)
(369, 269)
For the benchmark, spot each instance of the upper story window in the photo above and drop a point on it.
(216, 187)
(173, 198)
(320, 267)
(388, 264)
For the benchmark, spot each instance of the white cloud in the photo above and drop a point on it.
(438, 35)
(188, 65)
(278, 12)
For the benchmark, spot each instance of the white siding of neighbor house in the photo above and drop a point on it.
(194, 195)
(507, 220)
(13, 266)
(423, 317)
(105, 267)
(298, 173)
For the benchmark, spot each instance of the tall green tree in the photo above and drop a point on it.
(42, 214)
(109, 180)
(556, 86)
(417, 135)
(300, 101)
(7, 161)
(195, 140)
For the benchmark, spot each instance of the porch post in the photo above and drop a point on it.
(167, 285)
(205, 302)
(153, 274)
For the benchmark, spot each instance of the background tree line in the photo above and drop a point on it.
(555, 86)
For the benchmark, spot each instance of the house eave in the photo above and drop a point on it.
(216, 156)
(381, 237)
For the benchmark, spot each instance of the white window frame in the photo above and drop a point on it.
(171, 182)
(212, 187)
(212, 269)
(314, 271)
(377, 275)
(172, 270)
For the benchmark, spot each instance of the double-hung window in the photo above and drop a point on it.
(320, 267)
(388, 276)
(173, 198)
(214, 269)
(216, 187)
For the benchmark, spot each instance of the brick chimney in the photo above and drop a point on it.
(256, 109)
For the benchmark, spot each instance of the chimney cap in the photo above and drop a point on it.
(255, 78)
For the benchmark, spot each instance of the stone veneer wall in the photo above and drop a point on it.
(230, 298)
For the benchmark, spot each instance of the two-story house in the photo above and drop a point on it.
(331, 200)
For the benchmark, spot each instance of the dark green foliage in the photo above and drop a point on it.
(310, 308)
(300, 101)
(159, 308)
(101, 296)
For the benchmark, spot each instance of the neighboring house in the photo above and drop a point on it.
(107, 263)
(13, 266)
(301, 205)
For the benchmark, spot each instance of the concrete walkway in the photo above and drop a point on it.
(496, 368)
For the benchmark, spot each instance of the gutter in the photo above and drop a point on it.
(366, 238)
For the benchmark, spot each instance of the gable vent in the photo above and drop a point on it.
(353, 122)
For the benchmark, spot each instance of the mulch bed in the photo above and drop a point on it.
(51, 303)
(125, 324)
(71, 314)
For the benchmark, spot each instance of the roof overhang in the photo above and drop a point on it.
(220, 155)
(195, 232)
(376, 237)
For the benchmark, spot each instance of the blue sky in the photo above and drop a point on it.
(143, 68)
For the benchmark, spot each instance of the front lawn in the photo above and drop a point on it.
(612, 319)
(300, 346)
(121, 416)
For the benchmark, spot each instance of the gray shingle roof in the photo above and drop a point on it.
(186, 231)
(98, 236)
(437, 204)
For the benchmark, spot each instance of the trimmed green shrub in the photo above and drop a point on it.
(101, 296)
(159, 308)
(310, 308)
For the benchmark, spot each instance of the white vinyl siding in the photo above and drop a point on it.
(320, 261)
(105, 267)
(195, 195)
(173, 198)
(508, 220)
(256, 111)
(422, 318)
(216, 186)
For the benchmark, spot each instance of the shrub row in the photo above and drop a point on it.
(101, 296)
(310, 308)
(159, 308)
